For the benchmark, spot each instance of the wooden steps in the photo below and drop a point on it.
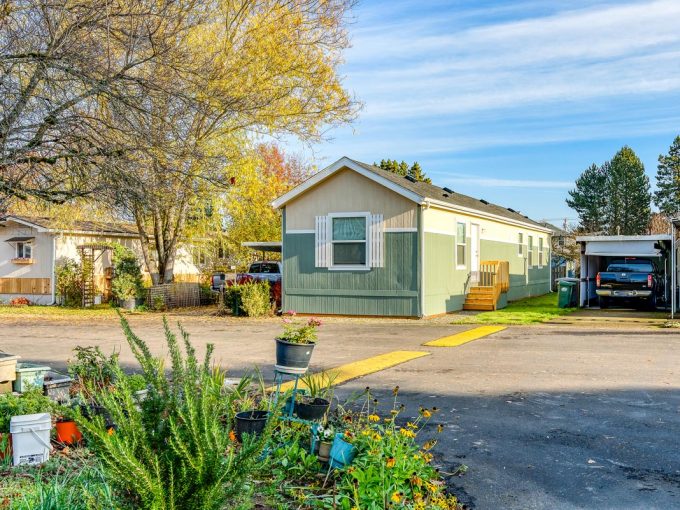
(480, 298)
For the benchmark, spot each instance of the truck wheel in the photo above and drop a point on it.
(651, 303)
(604, 302)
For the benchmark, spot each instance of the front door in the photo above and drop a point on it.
(474, 252)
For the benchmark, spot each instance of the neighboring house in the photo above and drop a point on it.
(565, 254)
(32, 247)
(359, 240)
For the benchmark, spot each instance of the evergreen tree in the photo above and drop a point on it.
(588, 198)
(627, 194)
(415, 171)
(667, 195)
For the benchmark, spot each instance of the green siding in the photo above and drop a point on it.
(536, 283)
(391, 290)
(444, 284)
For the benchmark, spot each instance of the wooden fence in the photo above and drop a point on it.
(178, 295)
(25, 286)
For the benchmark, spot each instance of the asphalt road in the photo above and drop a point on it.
(552, 418)
(555, 417)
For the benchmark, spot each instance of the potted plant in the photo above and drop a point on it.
(342, 450)
(126, 284)
(30, 402)
(295, 345)
(314, 404)
(250, 422)
(127, 289)
(325, 434)
(67, 430)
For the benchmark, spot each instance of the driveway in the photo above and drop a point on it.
(546, 417)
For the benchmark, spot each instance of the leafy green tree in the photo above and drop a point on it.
(667, 195)
(627, 194)
(403, 169)
(588, 198)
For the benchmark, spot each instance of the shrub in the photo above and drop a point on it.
(255, 298)
(20, 301)
(300, 333)
(175, 450)
(69, 279)
(127, 275)
(29, 402)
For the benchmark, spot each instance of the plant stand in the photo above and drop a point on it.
(288, 415)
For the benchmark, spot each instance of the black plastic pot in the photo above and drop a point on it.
(312, 409)
(251, 422)
(292, 358)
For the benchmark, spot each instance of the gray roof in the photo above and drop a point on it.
(93, 227)
(433, 192)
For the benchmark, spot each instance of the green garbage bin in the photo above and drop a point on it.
(568, 296)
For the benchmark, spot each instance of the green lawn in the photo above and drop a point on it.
(58, 312)
(526, 311)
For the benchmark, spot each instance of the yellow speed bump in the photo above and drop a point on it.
(363, 367)
(465, 336)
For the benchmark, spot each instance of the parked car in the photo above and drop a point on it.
(630, 279)
(261, 270)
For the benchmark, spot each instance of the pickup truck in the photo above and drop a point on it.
(630, 278)
(262, 270)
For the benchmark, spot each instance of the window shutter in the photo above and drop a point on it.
(322, 254)
(377, 250)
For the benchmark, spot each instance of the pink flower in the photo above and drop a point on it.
(287, 321)
(290, 313)
(314, 322)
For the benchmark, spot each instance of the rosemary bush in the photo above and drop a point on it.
(174, 450)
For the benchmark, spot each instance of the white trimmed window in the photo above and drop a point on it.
(461, 245)
(520, 244)
(541, 256)
(348, 241)
(530, 250)
(24, 250)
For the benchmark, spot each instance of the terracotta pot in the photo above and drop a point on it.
(5, 445)
(68, 433)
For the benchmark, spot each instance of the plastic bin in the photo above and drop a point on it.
(29, 375)
(568, 295)
(8, 368)
(58, 387)
(31, 438)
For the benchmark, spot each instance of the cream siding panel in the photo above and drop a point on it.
(42, 253)
(439, 221)
(348, 191)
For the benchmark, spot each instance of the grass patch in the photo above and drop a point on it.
(526, 311)
(58, 312)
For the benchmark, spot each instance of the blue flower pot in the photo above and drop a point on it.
(342, 452)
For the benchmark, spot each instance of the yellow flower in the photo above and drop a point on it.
(440, 427)
(373, 417)
(426, 413)
(395, 391)
(416, 480)
(377, 437)
(430, 444)
(407, 433)
(391, 461)
(396, 497)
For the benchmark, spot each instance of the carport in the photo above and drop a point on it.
(598, 251)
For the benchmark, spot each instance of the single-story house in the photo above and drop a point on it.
(32, 247)
(359, 240)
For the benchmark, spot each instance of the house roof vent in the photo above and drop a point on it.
(483, 201)
(410, 178)
(445, 195)
(511, 209)
(448, 190)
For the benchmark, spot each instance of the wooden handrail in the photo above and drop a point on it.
(496, 274)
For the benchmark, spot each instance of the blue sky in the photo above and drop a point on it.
(511, 101)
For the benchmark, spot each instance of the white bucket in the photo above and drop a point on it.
(31, 438)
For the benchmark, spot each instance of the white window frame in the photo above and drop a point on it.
(530, 251)
(349, 267)
(520, 244)
(541, 256)
(24, 244)
(464, 243)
